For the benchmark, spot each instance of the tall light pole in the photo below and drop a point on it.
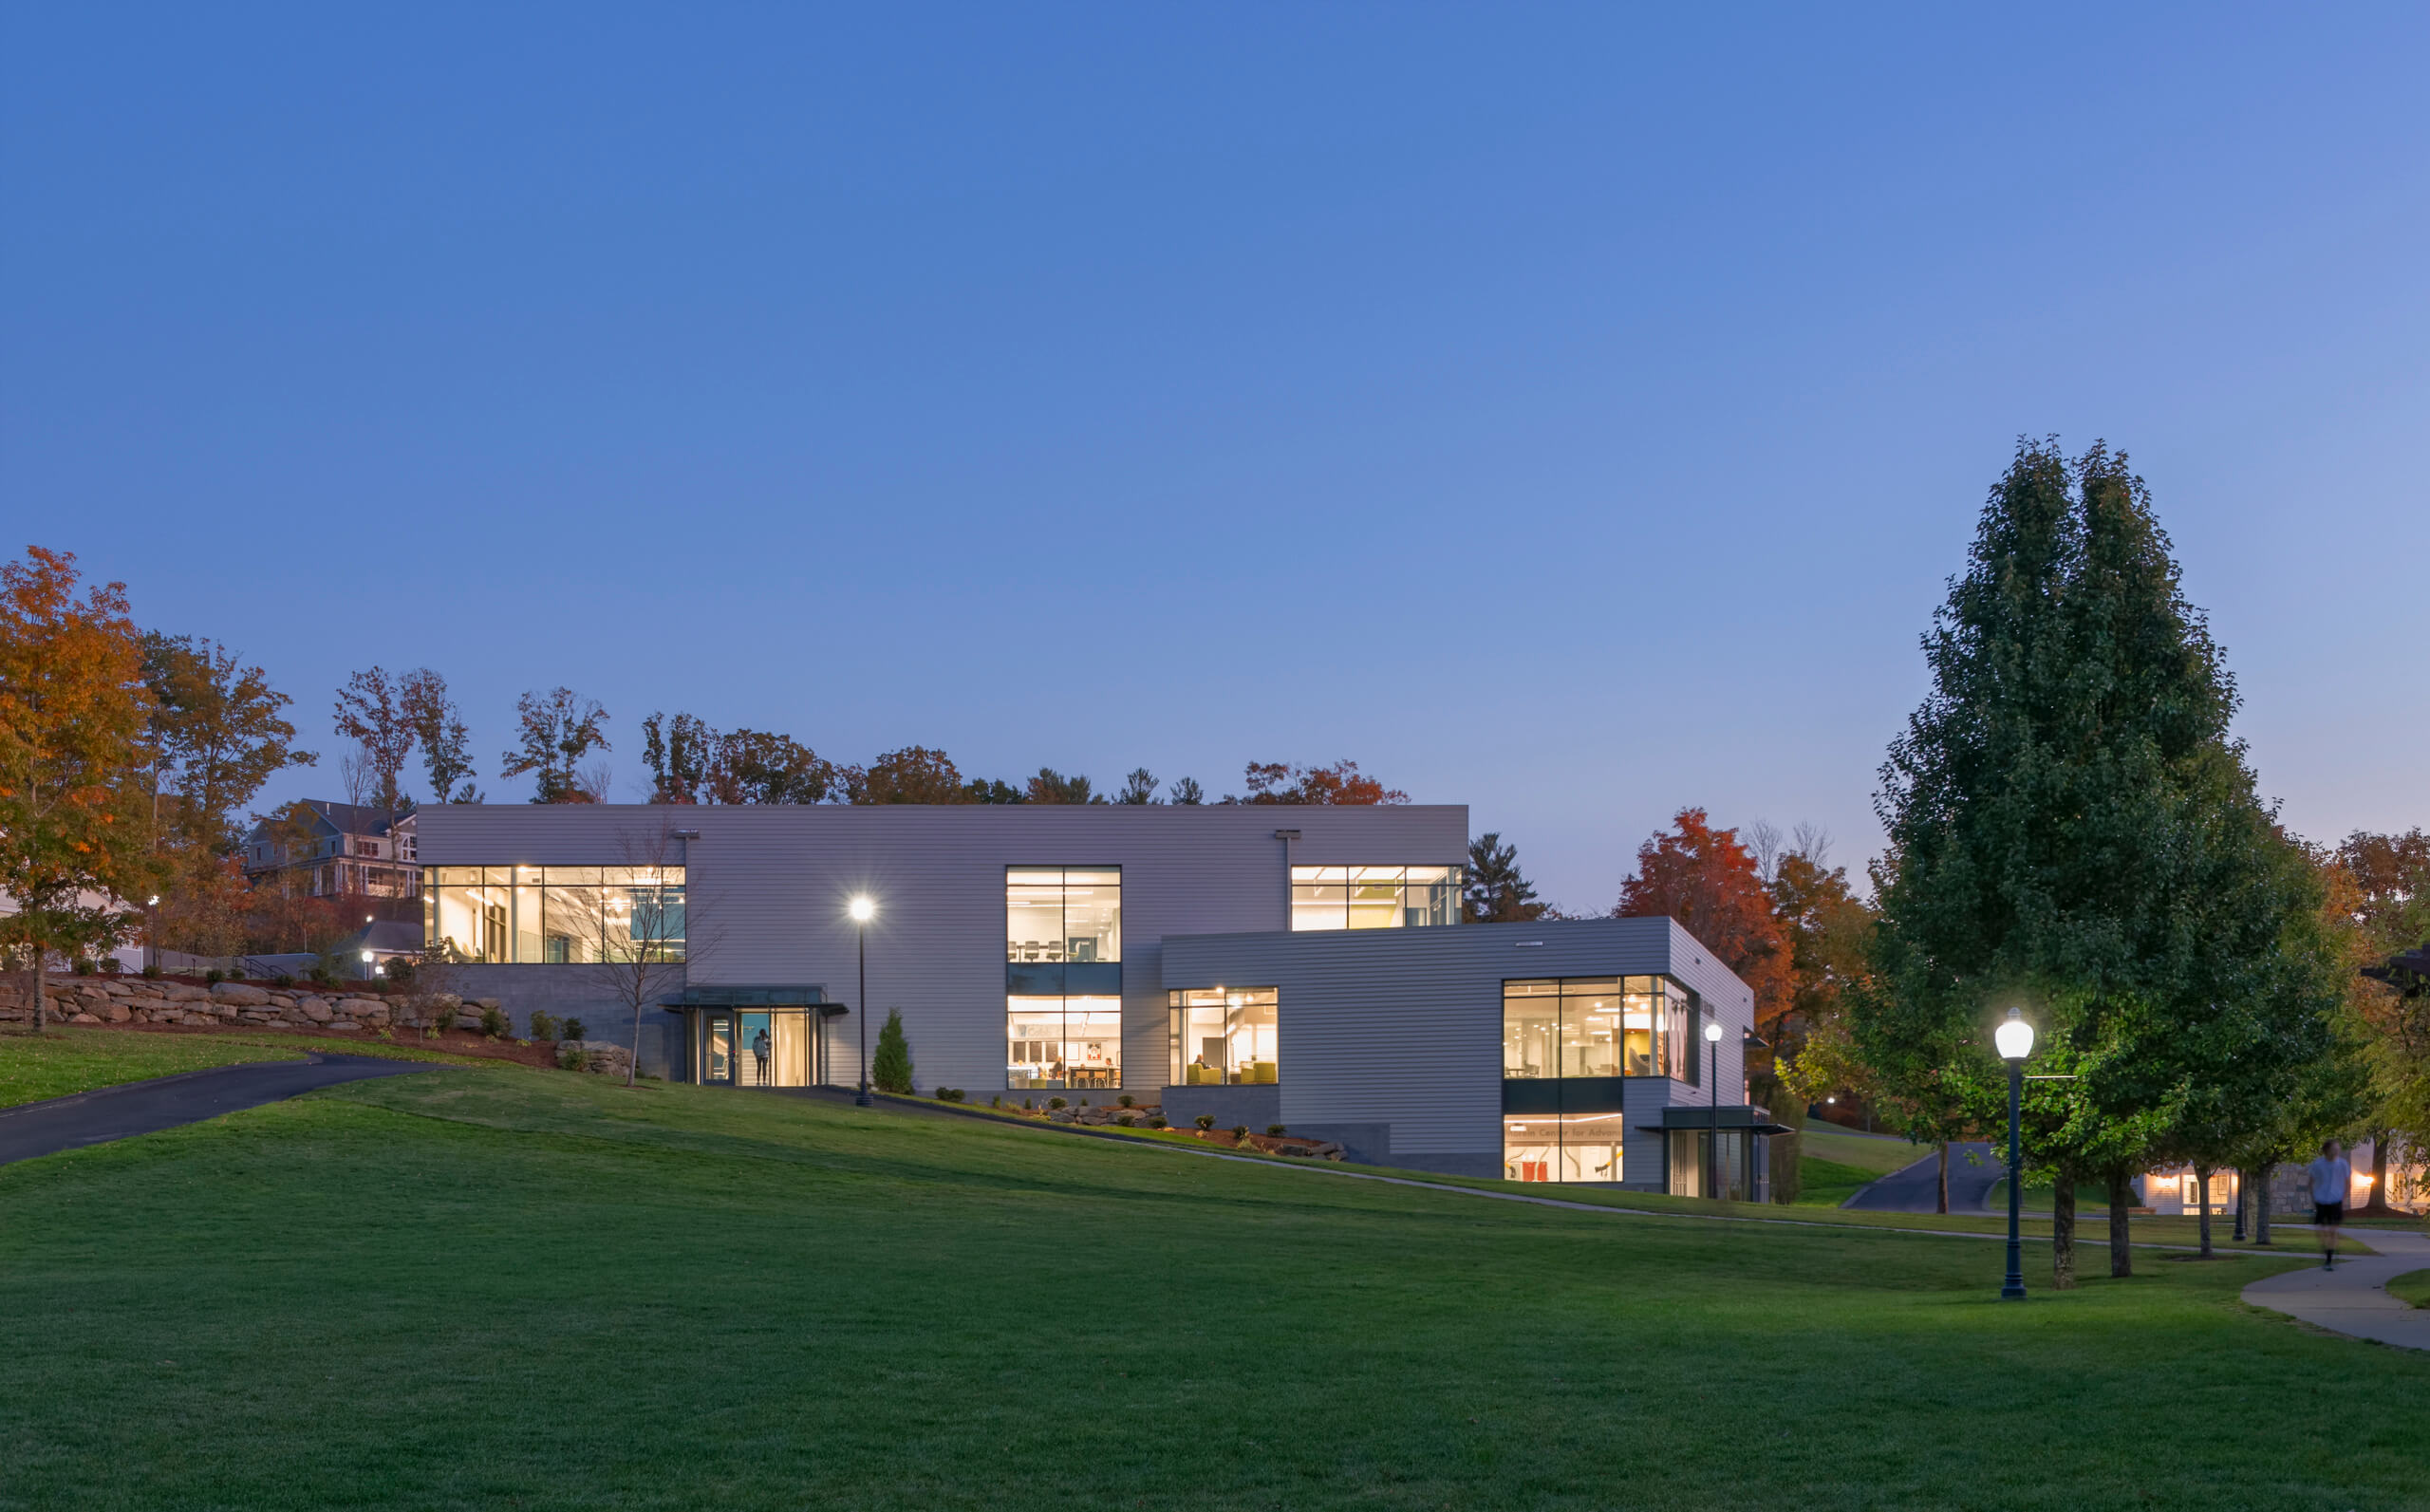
(862, 911)
(1712, 1101)
(2014, 1039)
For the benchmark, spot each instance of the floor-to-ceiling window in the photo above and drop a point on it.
(1224, 1037)
(1568, 1043)
(1375, 897)
(553, 915)
(1062, 976)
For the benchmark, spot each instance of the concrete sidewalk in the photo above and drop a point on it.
(2353, 1298)
(132, 1107)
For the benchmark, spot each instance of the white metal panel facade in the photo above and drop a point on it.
(767, 887)
(1404, 1027)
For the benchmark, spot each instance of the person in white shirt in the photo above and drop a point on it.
(2332, 1176)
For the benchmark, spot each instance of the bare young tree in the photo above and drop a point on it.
(1765, 844)
(634, 929)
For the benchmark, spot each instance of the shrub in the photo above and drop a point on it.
(84, 966)
(494, 1024)
(1241, 1132)
(215, 977)
(950, 1094)
(1025, 1102)
(1127, 1100)
(995, 1102)
(235, 974)
(572, 1029)
(1276, 1129)
(152, 969)
(1055, 1102)
(283, 980)
(399, 972)
(1205, 1120)
(1156, 1120)
(890, 1067)
(544, 1025)
(321, 975)
(1125, 1120)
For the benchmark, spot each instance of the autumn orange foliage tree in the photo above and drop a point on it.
(1342, 782)
(73, 797)
(1708, 882)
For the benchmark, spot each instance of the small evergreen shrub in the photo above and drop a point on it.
(283, 980)
(1205, 1120)
(494, 1024)
(84, 966)
(151, 970)
(1125, 1120)
(215, 977)
(1241, 1132)
(890, 1067)
(1276, 1129)
(1127, 1100)
(321, 975)
(1025, 1103)
(1156, 1120)
(544, 1025)
(950, 1094)
(1055, 1102)
(235, 974)
(572, 1029)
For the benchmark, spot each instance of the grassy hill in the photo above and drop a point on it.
(486, 1287)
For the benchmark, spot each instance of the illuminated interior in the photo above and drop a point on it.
(553, 915)
(1224, 1037)
(1375, 897)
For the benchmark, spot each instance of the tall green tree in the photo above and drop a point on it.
(915, 773)
(556, 730)
(1497, 890)
(890, 1063)
(75, 769)
(1051, 786)
(2071, 829)
(1138, 788)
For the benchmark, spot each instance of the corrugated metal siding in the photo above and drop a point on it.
(768, 888)
(1404, 1026)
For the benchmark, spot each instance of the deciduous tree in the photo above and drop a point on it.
(557, 729)
(217, 733)
(1707, 880)
(912, 774)
(74, 768)
(438, 727)
(370, 713)
(1051, 786)
(1340, 783)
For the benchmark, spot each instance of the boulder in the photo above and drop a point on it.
(82, 1018)
(183, 991)
(598, 1056)
(117, 1013)
(242, 993)
(317, 1010)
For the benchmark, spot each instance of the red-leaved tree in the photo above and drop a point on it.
(1707, 881)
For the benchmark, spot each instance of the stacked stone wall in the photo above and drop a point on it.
(229, 1006)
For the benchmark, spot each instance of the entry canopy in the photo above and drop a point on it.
(775, 998)
(1732, 1118)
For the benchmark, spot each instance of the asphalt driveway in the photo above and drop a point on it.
(1915, 1188)
(132, 1107)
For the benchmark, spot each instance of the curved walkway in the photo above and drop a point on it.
(1916, 1188)
(132, 1107)
(2353, 1298)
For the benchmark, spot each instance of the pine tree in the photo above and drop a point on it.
(890, 1067)
(1497, 892)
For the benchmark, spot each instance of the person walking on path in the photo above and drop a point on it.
(2331, 1175)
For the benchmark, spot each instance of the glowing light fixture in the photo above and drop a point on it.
(2015, 1036)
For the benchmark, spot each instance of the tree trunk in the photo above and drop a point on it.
(1942, 1203)
(2062, 1231)
(2121, 1217)
(2202, 1201)
(2261, 1204)
(2378, 1200)
(42, 982)
(2244, 1194)
(633, 1061)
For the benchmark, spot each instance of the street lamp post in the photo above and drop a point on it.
(864, 910)
(1713, 1103)
(2014, 1039)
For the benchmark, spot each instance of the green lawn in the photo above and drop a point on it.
(495, 1287)
(74, 1057)
(2413, 1286)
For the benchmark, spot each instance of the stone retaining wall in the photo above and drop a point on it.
(229, 1004)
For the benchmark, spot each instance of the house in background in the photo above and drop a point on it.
(323, 849)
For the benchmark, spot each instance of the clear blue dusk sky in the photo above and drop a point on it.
(1573, 412)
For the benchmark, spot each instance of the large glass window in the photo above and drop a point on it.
(560, 915)
(1062, 914)
(1062, 1042)
(1581, 1147)
(1375, 897)
(1588, 1026)
(1224, 1037)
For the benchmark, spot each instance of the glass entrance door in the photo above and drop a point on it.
(755, 1060)
(717, 1046)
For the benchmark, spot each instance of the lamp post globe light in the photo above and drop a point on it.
(2014, 1039)
(1713, 1105)
(863, 909)
(367, 958)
